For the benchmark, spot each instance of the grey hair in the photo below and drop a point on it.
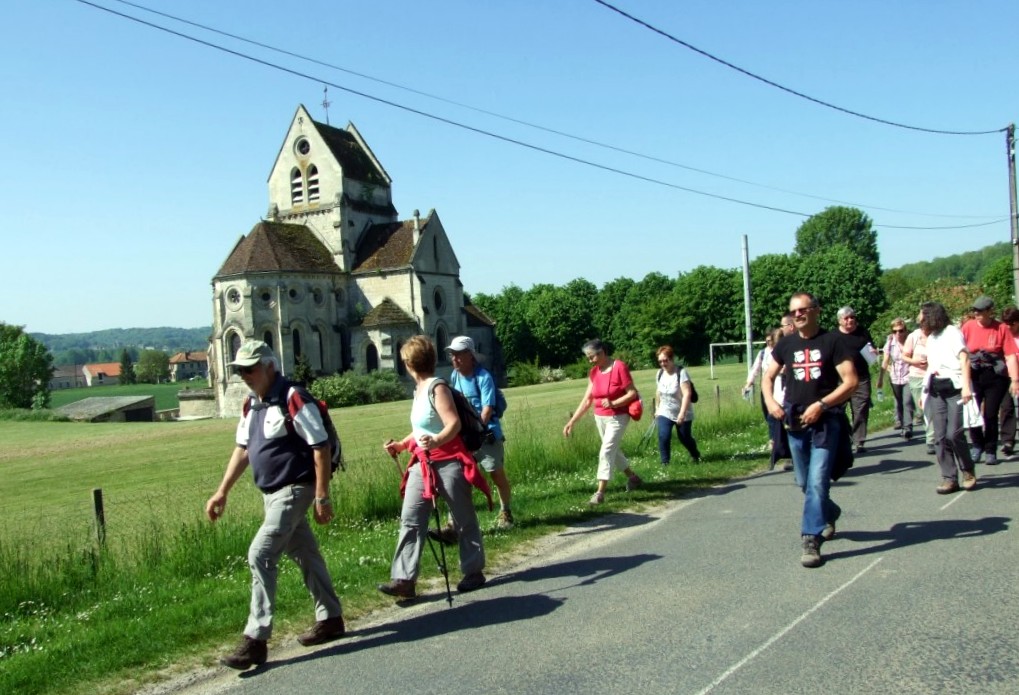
(271, 359)
(845, 311)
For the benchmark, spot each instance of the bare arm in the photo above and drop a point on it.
(323, 472)
(768, 391)
(234, 469)
(446, 409)
(967, 382)
(847, 373)
(684, 406)
(585, 403)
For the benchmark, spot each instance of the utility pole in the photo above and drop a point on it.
(1013, 220)
(746, 302)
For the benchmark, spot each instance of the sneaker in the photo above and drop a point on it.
(633, 483)
(969, 480)
(930, 450)
(907, 433)
(829, 528)
(859, 450)
(1006, 450)
(472, 582)
(250, 652)
(990, 460)
(787, 465)
(323, 631)
(811, 552)
(947, 487)
(976, 454)
(446, 535)
(505, 520)
(400, 588)
(597, 498)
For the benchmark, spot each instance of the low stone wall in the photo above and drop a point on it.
(196, 403)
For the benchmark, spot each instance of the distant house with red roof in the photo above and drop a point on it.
(101, 373)
(188, 365)
(67, 376)
(333, 275)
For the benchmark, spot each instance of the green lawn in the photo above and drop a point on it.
(165, 394)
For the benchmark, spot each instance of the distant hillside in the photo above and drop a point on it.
(968, 267)
(101, 346)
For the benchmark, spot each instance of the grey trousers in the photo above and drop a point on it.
(916, 388)
(950, 445)
(286, 530)
(859, 406)
(453, 488)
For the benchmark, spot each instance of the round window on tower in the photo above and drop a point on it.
(302, 147)
(233, 297)
(440, 300)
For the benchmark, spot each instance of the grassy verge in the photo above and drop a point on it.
(170, 588)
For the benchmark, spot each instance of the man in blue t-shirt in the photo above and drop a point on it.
(478, 386)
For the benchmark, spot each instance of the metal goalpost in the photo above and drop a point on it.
(711, 352)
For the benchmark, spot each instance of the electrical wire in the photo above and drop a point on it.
(776, 85)
(536, 126)
(473, 129)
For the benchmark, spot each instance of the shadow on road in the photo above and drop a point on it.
(588, 571)
(909, 533)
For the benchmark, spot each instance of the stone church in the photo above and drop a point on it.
(333, 274)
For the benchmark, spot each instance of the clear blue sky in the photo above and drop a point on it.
(134, 160)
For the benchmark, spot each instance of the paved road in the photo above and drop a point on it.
(918, 595)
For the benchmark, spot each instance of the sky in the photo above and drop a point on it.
(135, 159)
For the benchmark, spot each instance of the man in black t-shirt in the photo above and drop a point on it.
(858, 341)
(819, 375)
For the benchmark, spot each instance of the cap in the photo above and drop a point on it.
(462, 343)
(251, 353)
(983, 303)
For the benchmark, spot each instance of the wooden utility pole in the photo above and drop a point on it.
(1013, 220)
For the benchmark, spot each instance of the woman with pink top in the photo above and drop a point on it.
(914, 353)
(898, 374)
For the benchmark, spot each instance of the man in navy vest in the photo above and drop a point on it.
(478, 386)
(282, 437)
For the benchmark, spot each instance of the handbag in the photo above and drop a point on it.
(636, 408)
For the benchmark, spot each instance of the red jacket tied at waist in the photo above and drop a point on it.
(454, 449)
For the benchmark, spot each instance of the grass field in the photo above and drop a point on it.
(170, 588)
(165, 394)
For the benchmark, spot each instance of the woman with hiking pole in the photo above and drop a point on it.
(440, 465)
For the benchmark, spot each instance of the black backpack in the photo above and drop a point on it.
(693, 389)
(472, 430)
(332, 436)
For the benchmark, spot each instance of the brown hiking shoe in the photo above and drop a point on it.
(472, 582)
(400, 588)
(811, 556)
(505, 520)
(323, 631)
(969, 480)
(250, 652)
(948, 486)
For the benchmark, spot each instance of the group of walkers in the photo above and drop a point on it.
(807, 375)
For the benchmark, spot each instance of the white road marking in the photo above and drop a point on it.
(954, 499)
(752, 655)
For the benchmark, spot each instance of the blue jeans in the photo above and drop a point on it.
(684, 430)
(812, 462)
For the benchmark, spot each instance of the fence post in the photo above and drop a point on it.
(718, 400)
(97, 503)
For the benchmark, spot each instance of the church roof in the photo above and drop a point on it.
(387, 245)
(387, 313)
(476, 317)
(278, 247)
(355, 161)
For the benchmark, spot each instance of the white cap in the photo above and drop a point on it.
(462, 343)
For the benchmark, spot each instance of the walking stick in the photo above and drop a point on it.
(438, 528)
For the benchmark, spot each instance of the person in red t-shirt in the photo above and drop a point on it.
(993, 364)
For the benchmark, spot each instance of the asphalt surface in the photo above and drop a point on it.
(707, 595)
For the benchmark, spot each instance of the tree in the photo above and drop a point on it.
(838, 226)
(153, 367)
(773, 279)
(712, 298)
(127, 375)
(999, 282)
(560, 321)
(25, 369)
(610, 324)
(508, 310)
(303, 373)
(840, 277)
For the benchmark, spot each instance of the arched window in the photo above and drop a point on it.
(401, 368)
(267, 337)
(297, 344)
(313, 184)
(441, 341)
(296, 186)
(316, 337)
(371, 358)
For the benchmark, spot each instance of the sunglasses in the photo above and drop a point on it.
(802, 312)
(246, 370)
(898, 330)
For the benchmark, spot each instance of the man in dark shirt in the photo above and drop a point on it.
(819, 375)
(282, 436)
(859, 343)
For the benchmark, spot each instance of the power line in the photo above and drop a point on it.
(776, 85)
(479, 131)
(536, 126)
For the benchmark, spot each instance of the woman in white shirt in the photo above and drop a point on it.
(778, 440)
(948, 390)
(675, 407)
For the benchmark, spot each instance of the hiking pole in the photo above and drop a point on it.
(396, 459)
(438, 528)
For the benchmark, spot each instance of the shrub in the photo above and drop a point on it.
(342, 390)
(577, 370)
(524, 374)
(38, 415)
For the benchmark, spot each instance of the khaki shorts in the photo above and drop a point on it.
(491, 456)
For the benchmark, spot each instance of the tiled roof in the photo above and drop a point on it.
(387, 313)
(476, 317)
(278, 247)
(388, 245)
(181, 357)
(65, 370)
(355, 162)
(107, 368)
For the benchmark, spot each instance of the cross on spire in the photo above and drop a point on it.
(325, 102)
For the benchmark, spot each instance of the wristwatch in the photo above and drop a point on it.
(824, 406)
(323, 501)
